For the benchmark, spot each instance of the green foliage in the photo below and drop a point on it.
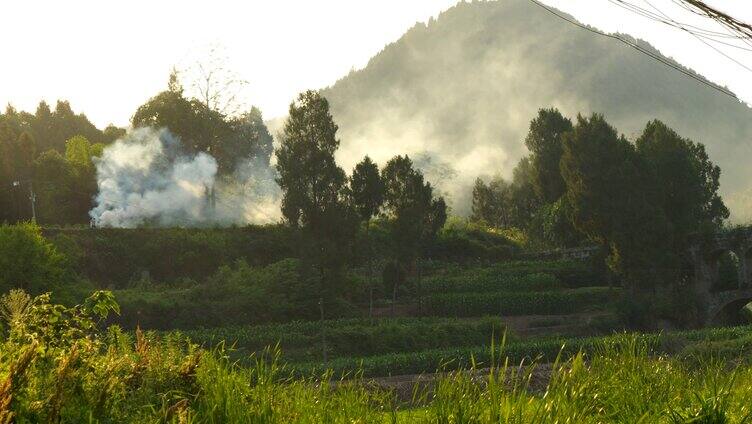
(301, 341)
(114, 257)
(202, 128)
(606, 181)
(519, 303)
(414, 214)
(482, 282)
(57, 365)
(238, 294)
(552, 225)
(508, 205)
(367, 189)
(315, 190)
(544, 140)
(13, 306)
(568, 273)
(689, 181)
(492, 202)
(461, 240)
(28, 261)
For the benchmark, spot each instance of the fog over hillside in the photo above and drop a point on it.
(463, 88)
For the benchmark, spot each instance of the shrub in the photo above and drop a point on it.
(115, 256)
(28, 261)
(518, 303)
(353, 337)
(482, 282)
(237, 294)
(462, 240)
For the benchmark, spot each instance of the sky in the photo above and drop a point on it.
(107, 58)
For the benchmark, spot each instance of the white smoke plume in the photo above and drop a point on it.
(147, 179)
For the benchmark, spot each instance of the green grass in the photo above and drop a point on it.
(57, 366)
(693, 346)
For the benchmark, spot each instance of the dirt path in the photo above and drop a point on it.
(417, 388)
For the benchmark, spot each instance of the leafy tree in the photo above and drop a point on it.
(112, 133)
(492, 202)
(28, 261)
(248, 139)
(65, 125)
(186, 118)
(414, 214)
(687, 181)
(544, 142)
(66, 185)
(203, 128)
(7, 172)
(79, 155)
(552, 225)
(25, 152)
(503, 204)
(525, 199)
(367, 191)
(315, 188)
(55, 188)
(606, 189)
(16, 164)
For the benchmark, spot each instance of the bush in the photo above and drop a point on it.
(519, 303)
(568, 272)
(353, 337)
(462, 240)
(482, 282)
(28, 261)
(237, 294)
(113, 257)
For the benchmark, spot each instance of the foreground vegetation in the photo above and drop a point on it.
(56, 365)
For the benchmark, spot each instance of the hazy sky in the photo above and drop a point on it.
(107, 58)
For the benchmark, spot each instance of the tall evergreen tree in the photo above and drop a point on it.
(544, 140)
(414, 214)
(367, 191)
(315, 188)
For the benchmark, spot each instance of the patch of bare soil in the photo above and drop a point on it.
(417, 388)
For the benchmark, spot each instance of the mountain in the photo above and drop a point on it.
(462, 89)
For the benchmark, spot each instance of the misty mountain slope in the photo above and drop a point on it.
(464, 87)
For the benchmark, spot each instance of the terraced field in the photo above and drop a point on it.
(464, 311)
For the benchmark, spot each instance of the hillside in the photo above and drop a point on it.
(463, 88)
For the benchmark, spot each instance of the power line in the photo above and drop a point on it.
(638, 48)
(742, 28)
(664, 18)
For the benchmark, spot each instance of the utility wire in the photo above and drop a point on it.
(638, 48)
(708, 44)
(742, 28)
(664, 18)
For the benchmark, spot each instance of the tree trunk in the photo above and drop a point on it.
(420, 287)
(323, 331)
(370, 290)
(394, 297)
(369, 275)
